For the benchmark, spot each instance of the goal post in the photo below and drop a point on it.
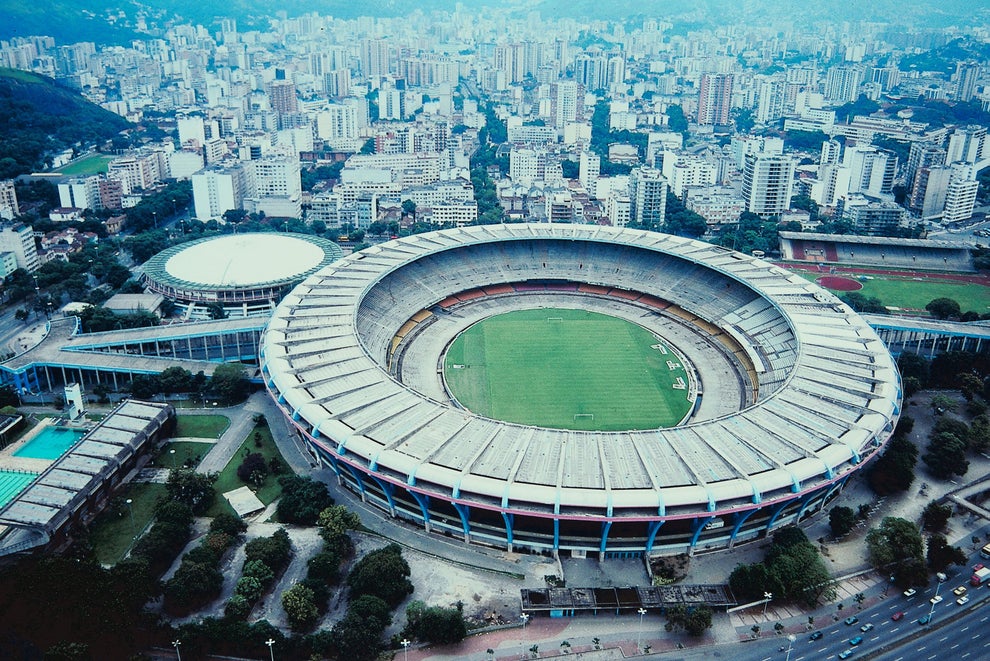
(555, 320)
(584, 416)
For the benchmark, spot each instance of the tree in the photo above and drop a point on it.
(336, 520)
(841, 519)
(935, 517)
(383, 573)
(357, 637)
(229, 383)
(435, 624)
(946, 456)
(913, 365)
(970, 385)
(943, 308)
(302, 500)
(300, 607)
(175, 379)
(941, 403)
(253, 470)
(896, 546)
(979, 433)
(409, 209)
(941, 554)
(191, 488)
(695, 621)
(273, 551)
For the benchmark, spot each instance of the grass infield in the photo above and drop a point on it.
(567, 369)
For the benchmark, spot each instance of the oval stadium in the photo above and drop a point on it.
(246, 274)
(783, 391)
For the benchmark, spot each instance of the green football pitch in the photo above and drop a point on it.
(567, 369)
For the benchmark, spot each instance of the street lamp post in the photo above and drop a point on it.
(790, 646)
(175, 644)
(639, 634)
(767, 596)
(931, 612)
(405, 648)
(172, 453)
(271, 649)
(130, 510)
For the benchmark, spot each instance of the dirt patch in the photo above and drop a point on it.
(836, 283)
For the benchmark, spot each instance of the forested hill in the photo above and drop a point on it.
(39, 117)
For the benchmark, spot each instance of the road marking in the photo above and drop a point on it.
(922, 648)
(965, 655)
(954, 646)
(823, 649)
(965, 629)
(932, 657)
(985, 619)
(943, 639)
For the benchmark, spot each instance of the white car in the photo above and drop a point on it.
(936, 599)
(910, 592)
(962, 600)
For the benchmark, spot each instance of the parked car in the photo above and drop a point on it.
(897, 616)
(910, 592)
(816, 636)
(866, 627)
(960, 591)
(962, 601)
(923, 619)
(845, 654)
(851, 620)
(855, 641)
(937, 598)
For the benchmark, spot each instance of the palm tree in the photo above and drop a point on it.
(756, 630)
(491, 654)
(534, 651)
(597, 642)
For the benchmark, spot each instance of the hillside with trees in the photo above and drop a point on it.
(38, 117)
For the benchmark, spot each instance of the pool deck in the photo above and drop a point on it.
(34, 465)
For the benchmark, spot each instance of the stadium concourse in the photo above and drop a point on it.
(802, 393)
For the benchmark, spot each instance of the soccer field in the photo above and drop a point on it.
(567, 369)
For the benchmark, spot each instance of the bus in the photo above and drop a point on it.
(985, 552)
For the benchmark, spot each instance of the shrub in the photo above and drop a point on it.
(274, 551)
(253, 470)
(237, 607)
(250, 588)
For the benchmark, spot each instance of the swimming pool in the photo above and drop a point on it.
(50, 443)
(12, 483)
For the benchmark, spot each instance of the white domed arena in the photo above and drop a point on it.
(784, 391)
(247, 274)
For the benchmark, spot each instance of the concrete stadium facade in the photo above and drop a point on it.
(795, 392)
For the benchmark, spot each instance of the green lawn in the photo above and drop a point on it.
(200, 426)
(91, 164)
(912, 294)
(185, 451)
(114, 530)
(228, 480)
(528, 367)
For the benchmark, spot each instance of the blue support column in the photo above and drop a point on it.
(699, 525)
(606, 526)
(358, 478)
(740, 520)
(387, 489)
(651, 534)
(509, 519)
(424, 503)
(776, 513)
(465, 513)
(804, 504)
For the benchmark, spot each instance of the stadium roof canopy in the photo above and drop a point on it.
(241, 261)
